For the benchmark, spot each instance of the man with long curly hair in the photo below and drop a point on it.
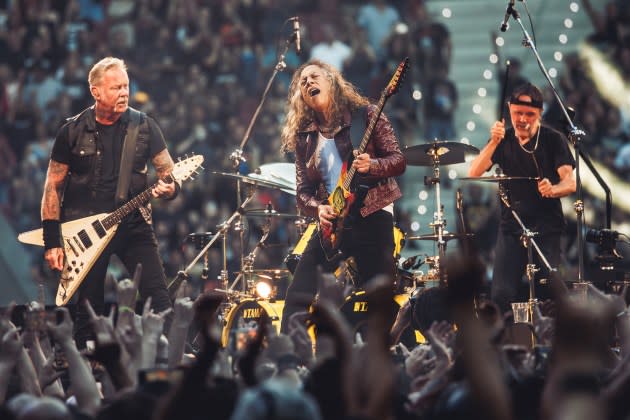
(322, 107)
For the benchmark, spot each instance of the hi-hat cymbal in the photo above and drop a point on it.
(438, 153)
(270, 213)
(445, 237)
(258, 182)
(498, 178)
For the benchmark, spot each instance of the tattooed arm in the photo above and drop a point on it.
(163, 164)
(51, 207)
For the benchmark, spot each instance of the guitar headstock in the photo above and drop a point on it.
(184, 169)
(397, 78)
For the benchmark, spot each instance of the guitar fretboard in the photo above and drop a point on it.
(139, 200)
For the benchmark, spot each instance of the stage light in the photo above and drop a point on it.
(482, 92)
(263, 289)
(487, 74)
(470, 126)
(476, 109)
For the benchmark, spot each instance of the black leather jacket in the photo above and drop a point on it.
(387, 162)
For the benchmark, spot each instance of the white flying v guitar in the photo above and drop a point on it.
(85, 239)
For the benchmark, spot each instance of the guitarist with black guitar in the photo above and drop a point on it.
(92, 152)
(325, 115)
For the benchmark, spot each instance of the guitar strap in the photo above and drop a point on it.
(128, 153)
(358, 124)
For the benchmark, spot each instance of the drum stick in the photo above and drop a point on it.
(503, 93)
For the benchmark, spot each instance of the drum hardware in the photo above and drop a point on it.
(442, 152)
(446, 236)
(527, 239)
(256, 181)
(499, 178)
(183, 274)
(270, 213)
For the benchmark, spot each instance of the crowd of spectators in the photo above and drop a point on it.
(568, 360)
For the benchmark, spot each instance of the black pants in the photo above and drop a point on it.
(134, 242)
(370, 242)
(509, 279)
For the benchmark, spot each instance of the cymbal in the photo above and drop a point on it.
(281, 172)
(268, 273)
(445, 237)
(498, 178)
(438, 152)
(270, 213)
(258, 182)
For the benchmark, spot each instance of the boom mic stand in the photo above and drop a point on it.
(237, 155)
(574, 136)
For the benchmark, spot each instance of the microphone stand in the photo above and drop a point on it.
(574, 136)
(237, 155)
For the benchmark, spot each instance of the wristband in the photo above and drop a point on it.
(52, 234)
(124, 308)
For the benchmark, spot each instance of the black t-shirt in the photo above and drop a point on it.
(110, 140)
(539, 214)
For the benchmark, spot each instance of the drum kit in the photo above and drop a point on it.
(256, 291)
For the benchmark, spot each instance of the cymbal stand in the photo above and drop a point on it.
(527, 238)
(248, 266)
(439, 223)
(222, 232)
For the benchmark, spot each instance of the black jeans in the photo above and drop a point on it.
(134, 242)
(509, 280)
(370, 242)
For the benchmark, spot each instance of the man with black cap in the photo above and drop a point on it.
(542, 156)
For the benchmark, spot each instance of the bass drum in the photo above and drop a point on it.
(293, 258)
(355, 310)
(241, 322)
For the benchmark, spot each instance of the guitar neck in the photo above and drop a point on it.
(123, 211)
(366, 138)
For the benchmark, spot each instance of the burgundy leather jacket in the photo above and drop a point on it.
(387, 162)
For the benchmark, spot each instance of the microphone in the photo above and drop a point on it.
(505, 25)
(458, 199)
(296, 32)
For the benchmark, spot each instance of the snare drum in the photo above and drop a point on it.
(293, 258)
(241, 322)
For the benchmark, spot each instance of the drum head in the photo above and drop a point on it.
(242, 322)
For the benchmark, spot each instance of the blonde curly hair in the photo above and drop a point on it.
(344, 96)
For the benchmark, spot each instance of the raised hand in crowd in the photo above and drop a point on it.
(574, 379)
(186, 399)
(152, 329)
(10, 348)
(81, 377)
(302, 342)
(126, 296)
(183, 315)
(109, 351)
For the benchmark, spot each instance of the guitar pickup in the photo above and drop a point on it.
(85, 238)
(98, 228)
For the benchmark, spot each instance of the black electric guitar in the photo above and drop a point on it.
(85, 239)
(345, 194)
